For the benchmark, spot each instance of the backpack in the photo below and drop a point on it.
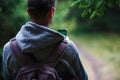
(37, 71)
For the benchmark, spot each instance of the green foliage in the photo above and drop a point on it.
(62, 8)
(109, 22)
(12, 16)
(95, 7)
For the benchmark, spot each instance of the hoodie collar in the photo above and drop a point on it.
(33, 36)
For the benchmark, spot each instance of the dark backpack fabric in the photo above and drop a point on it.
(37, 71)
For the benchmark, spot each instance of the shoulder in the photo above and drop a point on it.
(9, 60)
(72, 50)
(71, 45)
(6, 51)
(7, 54)
(5, 60)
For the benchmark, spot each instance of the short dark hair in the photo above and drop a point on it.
(39, 8)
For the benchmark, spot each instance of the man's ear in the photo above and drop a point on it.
(51, 13)
(28, 12)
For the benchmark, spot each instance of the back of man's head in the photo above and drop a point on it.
(39, 8)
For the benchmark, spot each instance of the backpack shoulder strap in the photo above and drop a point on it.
(24, 59)
(20, 56)
(55, 57)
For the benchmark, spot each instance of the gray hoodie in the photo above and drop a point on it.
(40, 41)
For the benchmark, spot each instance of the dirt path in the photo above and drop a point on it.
(97, 68)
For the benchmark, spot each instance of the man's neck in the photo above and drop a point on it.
(41, 22)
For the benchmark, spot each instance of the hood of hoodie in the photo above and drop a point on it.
(33, 37)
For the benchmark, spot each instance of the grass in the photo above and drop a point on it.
(105, 46)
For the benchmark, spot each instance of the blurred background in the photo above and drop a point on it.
(97, 37)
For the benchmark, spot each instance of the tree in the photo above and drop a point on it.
(109, 21)
(12, 16)
(95, 7)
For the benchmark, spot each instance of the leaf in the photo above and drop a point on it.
(85, 12)
(110, 4)
(89, 1)
(84, 4)
(74, 3)
(99, 3)
(93, 14)
(118, 3)
(90, 10)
